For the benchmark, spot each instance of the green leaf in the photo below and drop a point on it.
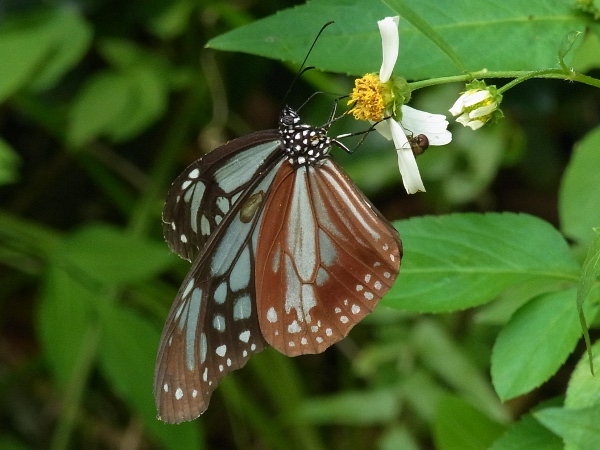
(587, 55)
(9, 160)
(535, 343)
(353, 44)
(584, 387)
(578, 427)
(461, 260)
(352, 408)
(527, 434)
(565, 47)
(172, 19)
(434, 347)
(579, 196)
(406, 12)
(71, 39)
(40, 47)
(63, 316)
(460, 426)
(147, 102)
(397, 438)
(24, 44)
(589, 275)
(97, 108)
(127, 357)
(113, 256)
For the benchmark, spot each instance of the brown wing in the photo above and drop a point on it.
(324, 259)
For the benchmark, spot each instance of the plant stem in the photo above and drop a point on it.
(519, 77)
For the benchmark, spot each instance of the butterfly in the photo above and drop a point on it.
(286, 251)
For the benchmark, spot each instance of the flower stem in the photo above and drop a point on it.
(519, 77)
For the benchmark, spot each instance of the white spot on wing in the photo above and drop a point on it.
(223, 204)
(240, 274)
(203, 348)
(219, 322)
(221, 293)
(221, 350)
(194, 174)
(294, 327)
(301, 229)
(245, 336)
(204, 225)
(242, 308)
(178, 394)
(272, 315)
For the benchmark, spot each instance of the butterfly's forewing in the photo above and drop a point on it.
(325, 258)
(208, 189)
(212, 327)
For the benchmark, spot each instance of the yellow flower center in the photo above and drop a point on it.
(367, 98)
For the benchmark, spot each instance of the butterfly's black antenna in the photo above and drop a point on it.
(302, 68)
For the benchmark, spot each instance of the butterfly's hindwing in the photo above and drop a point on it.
(212, 327)
(209, 188)
(324, 259)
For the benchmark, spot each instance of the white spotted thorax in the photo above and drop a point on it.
(304, 144)
(286, 251)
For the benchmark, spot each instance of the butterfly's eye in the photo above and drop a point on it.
(250, 206)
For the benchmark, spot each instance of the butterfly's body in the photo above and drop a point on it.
(286, 252)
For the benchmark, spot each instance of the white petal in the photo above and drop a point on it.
(439, 138)
(434, 126)
(464, 119)
(483, 111)
(476, 97)
(409, 171)
(476, 124)
(459, 106)
(390, 42)
(383, 128)
(406, 160)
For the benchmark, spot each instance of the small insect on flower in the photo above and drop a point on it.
(382, 98)
(418, 144)
(477, 105)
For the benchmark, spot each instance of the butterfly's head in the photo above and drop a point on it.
(288, 118)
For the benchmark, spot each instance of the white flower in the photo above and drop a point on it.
(477, 105)
(413, 121)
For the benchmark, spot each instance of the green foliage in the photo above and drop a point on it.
(457, 261)
(487, 42)
(454, 430)
(579, 212)
(102, 103)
